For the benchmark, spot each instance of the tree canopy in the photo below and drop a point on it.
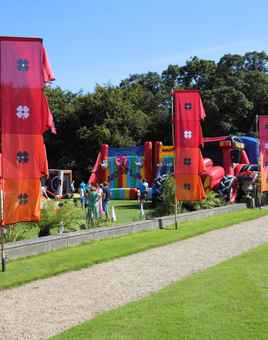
(234, 90)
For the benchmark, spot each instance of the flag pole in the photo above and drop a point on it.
(3, 258)
(173, 142)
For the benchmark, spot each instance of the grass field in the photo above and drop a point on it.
(37, 267)
(226, 302)
(126, 211)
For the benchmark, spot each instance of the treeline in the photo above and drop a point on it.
(234, 90)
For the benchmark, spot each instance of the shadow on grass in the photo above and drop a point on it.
(147, 205)
(130, 206)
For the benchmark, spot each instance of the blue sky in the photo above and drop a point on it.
(91, 42)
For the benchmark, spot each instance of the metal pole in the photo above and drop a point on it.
(3, 258)
(173, 142)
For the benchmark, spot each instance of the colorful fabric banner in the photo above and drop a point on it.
(24, 63)
(24, 111)
(25, 116)
(188, 111)
(190, 161)
(23, 156)
(263, 133)
(21, 200)
(188, 133)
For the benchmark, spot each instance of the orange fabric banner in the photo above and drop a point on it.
(264, 165)
(189, 110)
(189, 161)
(21, 201)
(23, 156)
(189, 188)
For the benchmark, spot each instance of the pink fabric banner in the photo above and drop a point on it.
(263, 133)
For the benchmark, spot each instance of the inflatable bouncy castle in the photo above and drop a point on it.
(225, 159)
(227, 165)
(124, 169)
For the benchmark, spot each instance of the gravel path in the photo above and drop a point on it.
(46, 307)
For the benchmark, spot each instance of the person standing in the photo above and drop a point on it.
(105, 199)
(143, 190)
(92, 208)
(99, 203)
(82, 193)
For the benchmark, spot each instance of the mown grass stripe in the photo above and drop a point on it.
(46, 265)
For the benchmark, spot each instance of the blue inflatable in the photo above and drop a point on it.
(252, 148)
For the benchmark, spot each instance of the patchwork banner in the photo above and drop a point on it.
(25, 116)
(188, 111)
(263, 133)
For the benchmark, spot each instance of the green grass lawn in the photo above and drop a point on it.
(126, 211)
(37, 267)
(226, 302)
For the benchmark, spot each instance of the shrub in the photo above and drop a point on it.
(166, 201)
(16, 232)
(212, 200)
(52, 214)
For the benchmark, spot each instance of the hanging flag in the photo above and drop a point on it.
(189, 110)
(24, 63)
(25, 116)
(21, 200)
(189, 161)
(23, 156)
(188, 133)
(263, 133)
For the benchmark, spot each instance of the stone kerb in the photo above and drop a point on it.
(51, 243)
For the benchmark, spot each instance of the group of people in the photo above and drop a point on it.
(95, 200)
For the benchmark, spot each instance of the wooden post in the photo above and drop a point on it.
(173, 142)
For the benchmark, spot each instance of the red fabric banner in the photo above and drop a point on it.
(188, 111)
(263, 127)
(24, 111)
(188, 133)
(24, 64)
(25, 116)
(188, 105)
